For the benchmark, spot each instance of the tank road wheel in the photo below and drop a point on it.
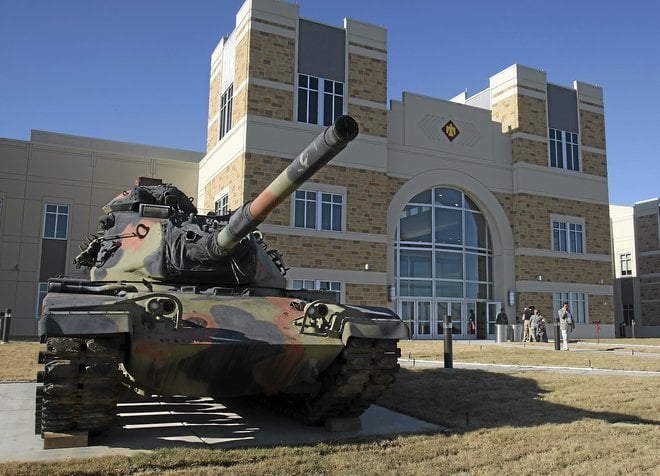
(359, 375)
(80, 384)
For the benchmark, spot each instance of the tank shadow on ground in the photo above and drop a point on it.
(157, 422)
(201, 423)
(476, 399)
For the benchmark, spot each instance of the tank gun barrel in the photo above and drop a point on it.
(317, 154)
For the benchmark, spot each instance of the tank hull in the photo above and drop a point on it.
(188, 343)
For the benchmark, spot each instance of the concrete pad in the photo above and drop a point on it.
(147, 424)
(75, 439)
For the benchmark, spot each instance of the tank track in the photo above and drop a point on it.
(80, 384)
(355, 380)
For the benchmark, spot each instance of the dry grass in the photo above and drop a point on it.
(514, 423)
(19, 361)
(616, 357)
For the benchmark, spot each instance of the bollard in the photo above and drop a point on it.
(6, 323)
(557, 333)
(449, 363)
(632, 326)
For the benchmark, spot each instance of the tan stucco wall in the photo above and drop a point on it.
(81, 172)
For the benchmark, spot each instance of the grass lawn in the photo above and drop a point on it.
(512, 422)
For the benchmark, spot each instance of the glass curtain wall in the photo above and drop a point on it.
(443, 256)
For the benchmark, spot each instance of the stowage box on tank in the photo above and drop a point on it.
(188, 304)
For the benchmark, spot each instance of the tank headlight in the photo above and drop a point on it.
(316, 310)
(161, 306)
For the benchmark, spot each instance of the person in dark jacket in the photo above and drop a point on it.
(502, 317)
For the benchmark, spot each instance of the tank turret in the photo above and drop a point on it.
(153, 232)
(186, 304)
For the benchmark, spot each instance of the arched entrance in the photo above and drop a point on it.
(444, 265)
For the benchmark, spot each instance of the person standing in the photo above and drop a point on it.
(527, 315)
(566, 324)
(502, 318)
(534, 323)
(543, 334)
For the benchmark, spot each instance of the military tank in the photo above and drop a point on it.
(180, 303)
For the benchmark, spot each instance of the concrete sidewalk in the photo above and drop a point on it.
(181, 421)
(526, 368)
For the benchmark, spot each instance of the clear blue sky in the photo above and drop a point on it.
(138, 70)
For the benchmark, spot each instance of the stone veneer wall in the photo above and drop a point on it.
(646, 233)
(649, 265)
(594, 164)
(269, 102)
(532, 227)
(650, 310)
(367, 81)
(592, 129)
(372, 121)
(375, 295)
(521, 114)
(231, 179)
(366, 201)
(542, 301)
(562, 270)
(524, 114)
(601, 308)
(529, 151)
(271, 58)
(592, 134)
(324, 251)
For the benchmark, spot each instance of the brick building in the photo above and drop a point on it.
(439, 207)
(636, 249)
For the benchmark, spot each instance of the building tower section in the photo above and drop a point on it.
(276, 81)
(647, 233)
(558, 207)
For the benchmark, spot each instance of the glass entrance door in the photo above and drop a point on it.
(418, 317)
(423, 327)
(491, 311)
(470, 319)
(454, 310)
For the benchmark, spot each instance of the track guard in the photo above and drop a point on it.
(64, 323)
(374, 328)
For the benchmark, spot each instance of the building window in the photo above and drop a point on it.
(626, 264)
(317, 108)
(222, 205)
(564, 152)
(225, 110)
(42, 290)
(56, 221)
(567, 237)
(577, 305)
(443, 248)
(318, 210)
(317, 285)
